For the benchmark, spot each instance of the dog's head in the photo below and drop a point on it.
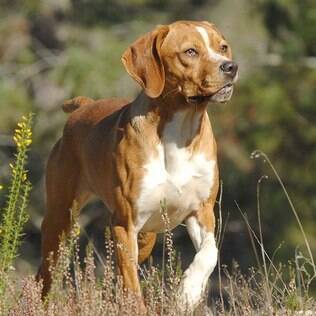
(191, 58)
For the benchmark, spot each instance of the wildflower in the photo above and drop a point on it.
(23, 134)
(24, 177)
(76, 230)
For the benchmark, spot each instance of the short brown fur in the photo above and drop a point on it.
(105, 143)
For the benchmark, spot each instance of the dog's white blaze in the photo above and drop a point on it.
(196, 276)
(215, 56)
(174, 175)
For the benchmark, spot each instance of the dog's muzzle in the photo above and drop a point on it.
(221, 95)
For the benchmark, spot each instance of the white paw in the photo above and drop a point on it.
(191, 292)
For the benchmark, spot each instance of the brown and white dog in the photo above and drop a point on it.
(133, 155)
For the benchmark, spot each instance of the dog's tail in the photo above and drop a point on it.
(75, 103)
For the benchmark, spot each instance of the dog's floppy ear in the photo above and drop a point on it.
(143, 62)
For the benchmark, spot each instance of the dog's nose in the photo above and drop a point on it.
(229, 68)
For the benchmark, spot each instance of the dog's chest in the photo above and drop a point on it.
(176, 179)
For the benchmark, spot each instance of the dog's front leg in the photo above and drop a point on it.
(127, 256)
(200, 226)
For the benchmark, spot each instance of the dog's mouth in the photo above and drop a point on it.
(221, 95)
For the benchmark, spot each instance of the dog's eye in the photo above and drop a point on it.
(191, 52)
(224, 48)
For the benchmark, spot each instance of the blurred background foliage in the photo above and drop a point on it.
(53, 50)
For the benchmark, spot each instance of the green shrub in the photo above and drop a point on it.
(14, 215)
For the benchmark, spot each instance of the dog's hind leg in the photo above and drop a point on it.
(63, 187)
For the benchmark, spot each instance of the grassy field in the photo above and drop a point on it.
(267, 289)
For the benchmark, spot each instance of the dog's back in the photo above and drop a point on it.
(85, 115)
(89, 111)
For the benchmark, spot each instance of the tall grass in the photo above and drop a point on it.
(268, 289)
(271, 289)
(259, 154)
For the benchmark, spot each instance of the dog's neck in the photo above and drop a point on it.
(170, 117)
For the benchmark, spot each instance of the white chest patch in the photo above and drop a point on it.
(181, 179)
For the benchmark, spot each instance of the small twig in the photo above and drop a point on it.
(261, 239)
